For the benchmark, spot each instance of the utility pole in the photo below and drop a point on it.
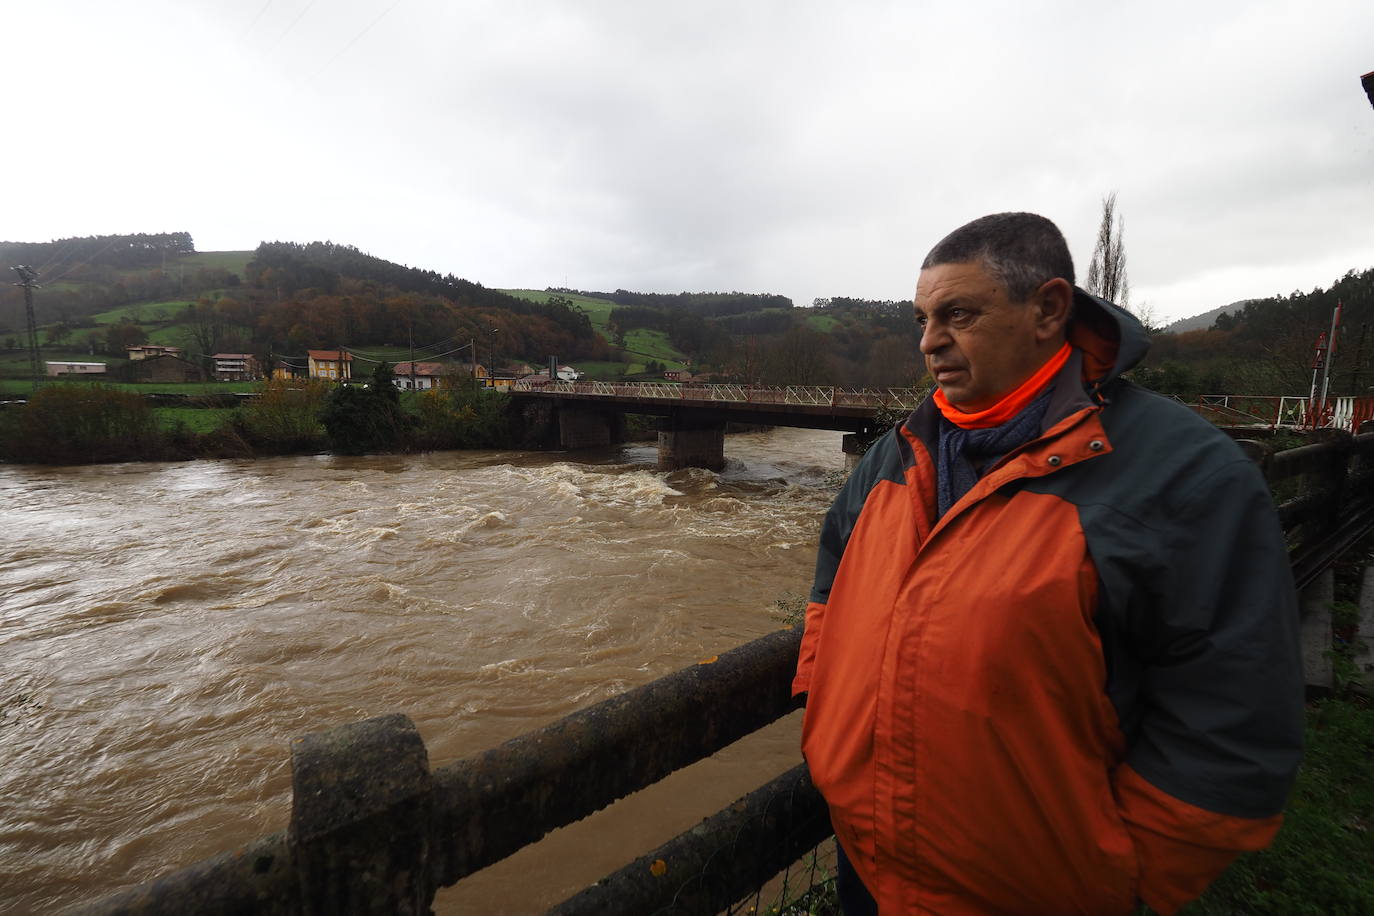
(27, 278)
(412, 355)
(472, 351)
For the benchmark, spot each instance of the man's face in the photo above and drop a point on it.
(977, 343)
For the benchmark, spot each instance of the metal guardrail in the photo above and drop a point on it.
(794, 395)
(374, 830)
(1288, 412)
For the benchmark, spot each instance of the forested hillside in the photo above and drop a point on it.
(99, 295)
(764, 339)
(1267, 346)
(83, 276)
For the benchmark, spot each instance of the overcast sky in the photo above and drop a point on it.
(803, 148)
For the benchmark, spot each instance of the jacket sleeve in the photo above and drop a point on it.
(835, 532)
(1219, 737)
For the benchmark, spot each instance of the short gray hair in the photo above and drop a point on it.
(1022, 250)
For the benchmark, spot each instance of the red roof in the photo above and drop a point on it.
(328, 354)
(420, 369)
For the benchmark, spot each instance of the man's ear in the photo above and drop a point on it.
(1053, 302)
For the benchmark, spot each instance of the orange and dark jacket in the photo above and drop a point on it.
(1078, 688)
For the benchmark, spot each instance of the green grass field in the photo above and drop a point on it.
(823, 323)
(169, 335)
(232, 261)
(598, 310)
(604, 371)
(641, 344)
(142, 312)
(197, 420)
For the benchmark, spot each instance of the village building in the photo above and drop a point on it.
(331, 364)
(565, 374)
(164, 368)
(420, 376)
(494, 379)
(148, 351)
(58, 367)
(281, 369)
(235, 367)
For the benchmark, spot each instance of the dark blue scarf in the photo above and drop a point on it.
(963, 452)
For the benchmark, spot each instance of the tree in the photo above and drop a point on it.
(120, 337)
(357, 420)
(1107, 268)
(56, 333)
(204, 327)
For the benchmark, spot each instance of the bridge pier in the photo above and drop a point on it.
(855, 445)
(580, 427)
(691, 444)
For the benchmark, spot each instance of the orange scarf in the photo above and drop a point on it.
(1012, 403)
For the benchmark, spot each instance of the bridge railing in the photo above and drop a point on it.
(373, 829)
(794, 395)
(1288, 412)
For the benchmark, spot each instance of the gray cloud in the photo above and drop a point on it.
(805, 148)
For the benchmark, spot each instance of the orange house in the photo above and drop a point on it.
(331, 364)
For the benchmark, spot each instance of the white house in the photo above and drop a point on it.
(419, 376)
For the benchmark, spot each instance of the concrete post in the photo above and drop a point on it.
(360, 819)
(1315, 605)
(1364, 655)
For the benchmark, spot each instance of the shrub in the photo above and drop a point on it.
(361, 420)
(80, 424)
(463, 414)
(285, 418)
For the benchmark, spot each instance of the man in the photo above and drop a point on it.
(1051, 653)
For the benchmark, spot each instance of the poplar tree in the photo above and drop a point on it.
(1107, 269)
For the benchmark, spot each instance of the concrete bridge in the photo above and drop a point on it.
(691, 433)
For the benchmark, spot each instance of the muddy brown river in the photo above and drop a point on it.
(166, 629)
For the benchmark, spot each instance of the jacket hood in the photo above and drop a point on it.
(1111, 338)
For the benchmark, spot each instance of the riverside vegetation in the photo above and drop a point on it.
(93, 423)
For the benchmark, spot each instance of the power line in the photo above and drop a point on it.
(434, 346)
(86, 263)
(57, 256)
(354, 40)
(298, 18)
(248, 31)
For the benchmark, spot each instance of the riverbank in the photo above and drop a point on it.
(95, 423)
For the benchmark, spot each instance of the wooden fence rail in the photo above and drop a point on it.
(374, 830)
